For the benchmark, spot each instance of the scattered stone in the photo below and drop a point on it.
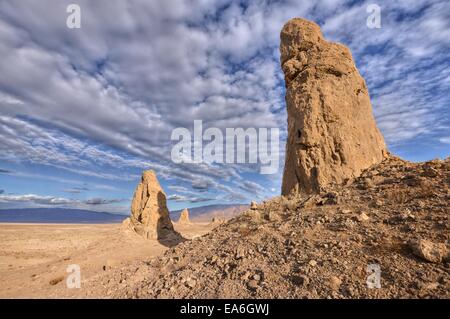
(376, 203)
(335, 283)
(367, 183)
(344, 211)
(328, 199)
(253, 284)
(426, 286)
(429, 251)
(401, 218)
(56, 280)
(363, 217)
(240, 253)
(300, 280)
(191, 283)
(245, 276)
(431, 286)
(312, 263)
(257, 277)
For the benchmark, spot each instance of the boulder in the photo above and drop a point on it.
(429, 251)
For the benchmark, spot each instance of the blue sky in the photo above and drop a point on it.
(84, 111)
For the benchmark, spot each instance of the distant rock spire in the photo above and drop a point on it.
(184, 217)
(149, 214)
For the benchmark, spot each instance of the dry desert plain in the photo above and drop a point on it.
(34, 257)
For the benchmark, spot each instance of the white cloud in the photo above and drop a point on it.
(41, 200)
(48, 201)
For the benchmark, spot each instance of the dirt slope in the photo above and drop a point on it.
(312, 247)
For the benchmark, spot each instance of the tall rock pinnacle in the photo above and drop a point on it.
(332, 134)
(149, 214)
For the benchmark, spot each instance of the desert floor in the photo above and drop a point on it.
(34, 258)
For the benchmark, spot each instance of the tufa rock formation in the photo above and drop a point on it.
(332, 135)
(149, 214)
(184, 217)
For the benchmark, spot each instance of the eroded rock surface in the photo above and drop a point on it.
(149, 214)
(332, 135)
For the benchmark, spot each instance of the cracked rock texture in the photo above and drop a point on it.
(332, 134)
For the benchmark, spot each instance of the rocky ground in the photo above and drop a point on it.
(395, 216)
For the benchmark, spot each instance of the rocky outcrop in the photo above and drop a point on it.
(313, 247)
(332, 135)
(149, 214)
(184, 217)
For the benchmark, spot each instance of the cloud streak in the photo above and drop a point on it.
(76, 190)
(49, 201)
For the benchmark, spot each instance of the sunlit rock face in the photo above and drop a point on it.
(149, 213)
(332, 134)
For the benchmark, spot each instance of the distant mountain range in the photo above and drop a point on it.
(58, 215)
(78, 216)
